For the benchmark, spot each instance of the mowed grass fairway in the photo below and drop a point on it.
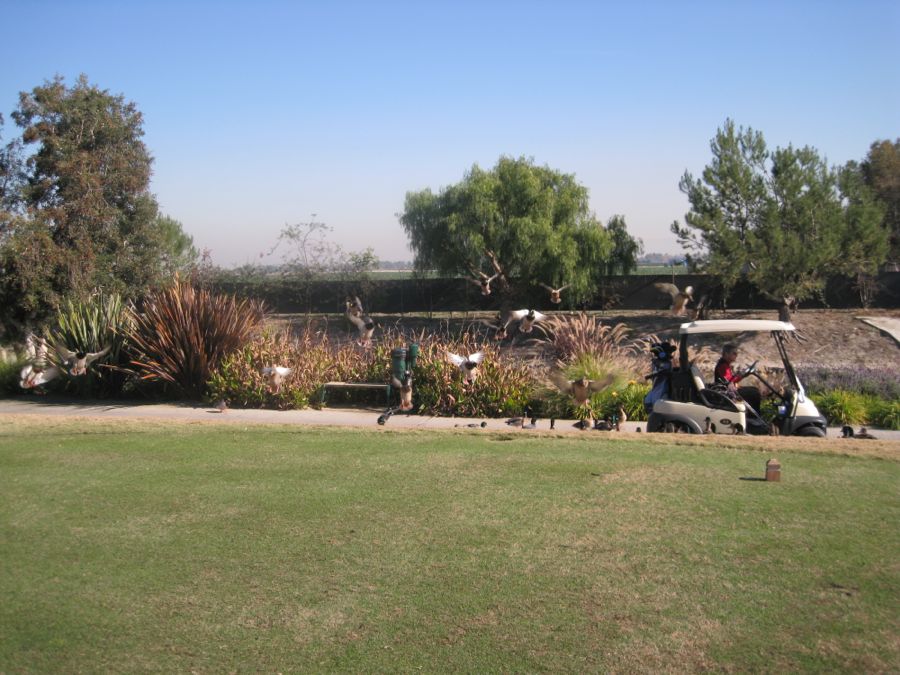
(176, 547)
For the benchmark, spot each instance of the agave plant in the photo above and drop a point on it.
(92, 325)
(181, 334)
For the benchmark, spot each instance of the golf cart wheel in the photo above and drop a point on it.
(812, 431)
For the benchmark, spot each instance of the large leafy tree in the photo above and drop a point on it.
(881, 172)
(783, 219)
(527, 223)
(84, 217)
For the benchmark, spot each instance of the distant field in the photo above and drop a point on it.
(174, 548)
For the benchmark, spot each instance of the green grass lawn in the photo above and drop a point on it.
(133, 547)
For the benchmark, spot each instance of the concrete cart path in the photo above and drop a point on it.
(340, 417)
(886, 324)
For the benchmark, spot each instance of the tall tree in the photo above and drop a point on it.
(783, 219)
(176, 246)
(881, 172)
(521, 221)
(90, 220)
(626, 249)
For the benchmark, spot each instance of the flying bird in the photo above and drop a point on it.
(679, 298)
(554, 293)
(34, 375)
(76, 363)
(527, 318)
(354, 306)
(468, 365)
(582, 388)
(484, 282)
(275, 376)
(364, 326)
(36, 348)
(499, 325)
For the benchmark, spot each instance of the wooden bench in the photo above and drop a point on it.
(386, 388)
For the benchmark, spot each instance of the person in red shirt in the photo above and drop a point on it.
(724, 374)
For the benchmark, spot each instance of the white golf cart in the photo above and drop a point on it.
(682, 401)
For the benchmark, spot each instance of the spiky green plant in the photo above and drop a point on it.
(180, 334)
(90, 326)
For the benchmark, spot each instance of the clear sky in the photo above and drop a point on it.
(259, 114)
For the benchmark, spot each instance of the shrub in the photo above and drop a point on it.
(181, 334)
(883, 414)
(580, 334)
(502, 388)
(878, 382)
(841, 407)
(9, 376)
(630, 397)
(91, 326)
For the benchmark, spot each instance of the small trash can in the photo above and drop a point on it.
(398, 362)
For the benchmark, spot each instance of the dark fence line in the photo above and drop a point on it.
(400, 296)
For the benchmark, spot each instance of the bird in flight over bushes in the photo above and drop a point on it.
(484, 281)
(499, 325)
(76, 363)
(582, 388)
(526, 318)
(275, 376)
(37, 371)
(555, 293)
(679, 298)
(354, 306)
(34, 375)
(468, 365)
(363, 322)
(405, 389)
(364, 326)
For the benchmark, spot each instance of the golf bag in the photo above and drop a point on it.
(661, 374)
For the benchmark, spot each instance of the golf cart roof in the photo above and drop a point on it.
(734, 326)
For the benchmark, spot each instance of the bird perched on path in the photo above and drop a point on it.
(847, 432)
(275, 376)
(221, 405)
(555, 293)
(76, 363)
(468, 365)
(526, 318)
(679, 298)
(484, 281)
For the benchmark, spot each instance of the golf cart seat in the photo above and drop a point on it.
(711, 398)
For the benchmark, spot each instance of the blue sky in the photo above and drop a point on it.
(261, 114)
